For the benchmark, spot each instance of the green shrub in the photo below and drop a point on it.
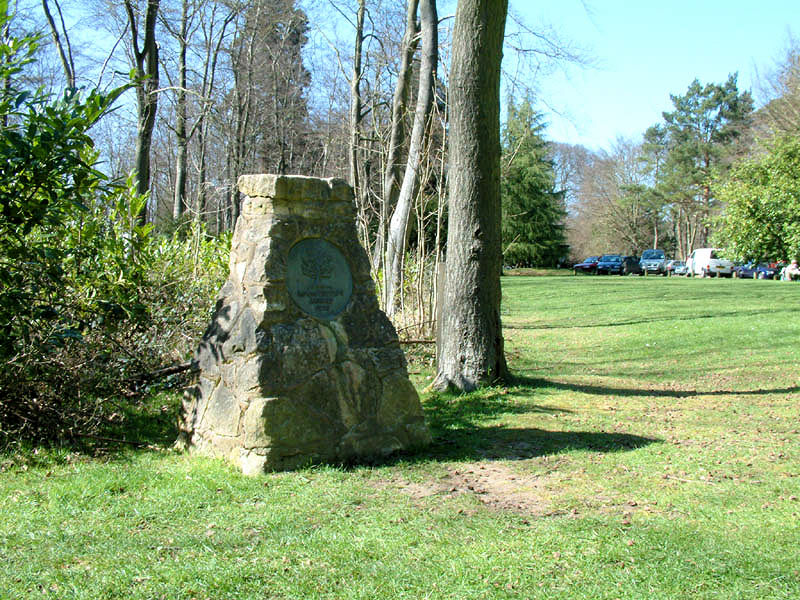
(762, 202)
(113, 303)
(89, 299)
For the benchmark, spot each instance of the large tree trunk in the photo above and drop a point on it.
(398, 228)
(471, 350)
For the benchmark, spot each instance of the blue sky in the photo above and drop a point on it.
(646, 50)
(643, 51)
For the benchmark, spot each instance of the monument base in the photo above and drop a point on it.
(299, 365)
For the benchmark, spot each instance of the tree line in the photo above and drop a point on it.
(112, 241)
(716, 171)
(121, 159)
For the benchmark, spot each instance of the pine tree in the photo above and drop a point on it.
(533, 211)
(703, 130)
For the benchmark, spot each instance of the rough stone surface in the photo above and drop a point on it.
(279, 388)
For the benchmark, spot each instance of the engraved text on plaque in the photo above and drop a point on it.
(318, 278)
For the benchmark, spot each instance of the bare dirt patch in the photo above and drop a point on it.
(495, 485)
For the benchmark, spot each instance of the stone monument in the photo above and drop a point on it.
(299, 365)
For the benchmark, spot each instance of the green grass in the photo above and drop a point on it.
(649, 447)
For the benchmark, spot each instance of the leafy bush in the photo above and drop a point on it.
(89, 299)
(113, 303)
(762, 204)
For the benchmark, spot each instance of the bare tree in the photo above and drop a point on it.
(210, 22)
(391, 176)
(145, 59)
(616, 188)
(471, 351)
(398, 227)
(63, 47)
(355, 96)
(181, 137)
(781, 90)
(359, 165)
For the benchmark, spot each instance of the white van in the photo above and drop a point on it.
(705, 262)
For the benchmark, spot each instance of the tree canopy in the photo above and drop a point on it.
(662, 191)
(702, 131)
(761, 218)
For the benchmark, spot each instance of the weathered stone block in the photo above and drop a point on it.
(267, 300)
(242, 337)
(394, 404)
(298, 364)
(255, 431)
(223, 414)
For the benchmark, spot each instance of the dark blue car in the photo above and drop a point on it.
(610, 264)
(755, 271)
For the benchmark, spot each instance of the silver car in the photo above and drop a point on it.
(653, 262)
(676, 267)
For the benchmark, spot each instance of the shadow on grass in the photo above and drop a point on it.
(601, 390)
(502, 443)
(456, 422)
(149, 424)
(464, 427)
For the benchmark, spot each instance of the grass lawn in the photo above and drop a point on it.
(648, 448)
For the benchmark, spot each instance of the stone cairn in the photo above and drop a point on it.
(299, 365)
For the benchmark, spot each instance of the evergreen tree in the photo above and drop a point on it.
(533, 211)
(702, 132)
(273, 82)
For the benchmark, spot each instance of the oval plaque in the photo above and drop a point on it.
(318, 278)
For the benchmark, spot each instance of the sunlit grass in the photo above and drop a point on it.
(648, 448)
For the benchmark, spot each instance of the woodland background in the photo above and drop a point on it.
(127, 123)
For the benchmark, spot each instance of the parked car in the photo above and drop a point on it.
(654, 262)
(753, 270)
(706, 262)
(588, 265)
(609, 264)
(630, 266)
(676, 267)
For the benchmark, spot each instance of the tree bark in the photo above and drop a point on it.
(65, 54)
(397, 133)
(398, 228)
(359, 165)
(355, 99)
(182, 140)
(242, 60)
(471, 351)
(146, 68)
